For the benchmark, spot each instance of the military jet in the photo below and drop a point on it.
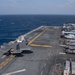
(18, 46)
(14, 48)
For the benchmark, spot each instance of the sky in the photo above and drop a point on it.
(37, 7)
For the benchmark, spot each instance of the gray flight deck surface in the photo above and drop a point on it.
(40, 60)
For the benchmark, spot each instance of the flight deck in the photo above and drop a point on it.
(44, 58)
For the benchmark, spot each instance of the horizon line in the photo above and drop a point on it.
(37, 14)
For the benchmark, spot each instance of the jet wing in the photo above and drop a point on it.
(23, 46)
(5, 48)
(16, 51)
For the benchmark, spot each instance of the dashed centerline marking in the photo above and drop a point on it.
(6, 61)
(47, 58)
(37, 36)
(41, 45)
(44, 64)
(49, 54)
(30, 42)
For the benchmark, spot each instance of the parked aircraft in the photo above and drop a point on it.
(17, 47)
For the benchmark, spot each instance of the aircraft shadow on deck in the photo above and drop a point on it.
(20, 54)
(27, 52)
(24, 52)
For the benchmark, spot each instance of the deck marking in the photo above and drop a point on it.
(3, 56)
(41, 72)
(48, 46)
(49, 54)
(47, 58)
(37, 36)
(6, 61)
(62, 45)
(44, 64)
(15, 72)
(62, 53)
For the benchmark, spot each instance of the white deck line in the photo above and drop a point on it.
(15, 72)
(41, 72)
(44, 64)
(62, 53)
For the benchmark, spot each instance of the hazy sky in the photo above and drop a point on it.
(37, 7)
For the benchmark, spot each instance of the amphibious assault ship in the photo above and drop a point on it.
(39, 52)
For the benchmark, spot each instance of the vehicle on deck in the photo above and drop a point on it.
(70, 42)
(72, 30)
(70, 50)
(68, 29)
(68, 35)
(70, 46)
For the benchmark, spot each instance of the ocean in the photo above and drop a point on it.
(12, 26)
